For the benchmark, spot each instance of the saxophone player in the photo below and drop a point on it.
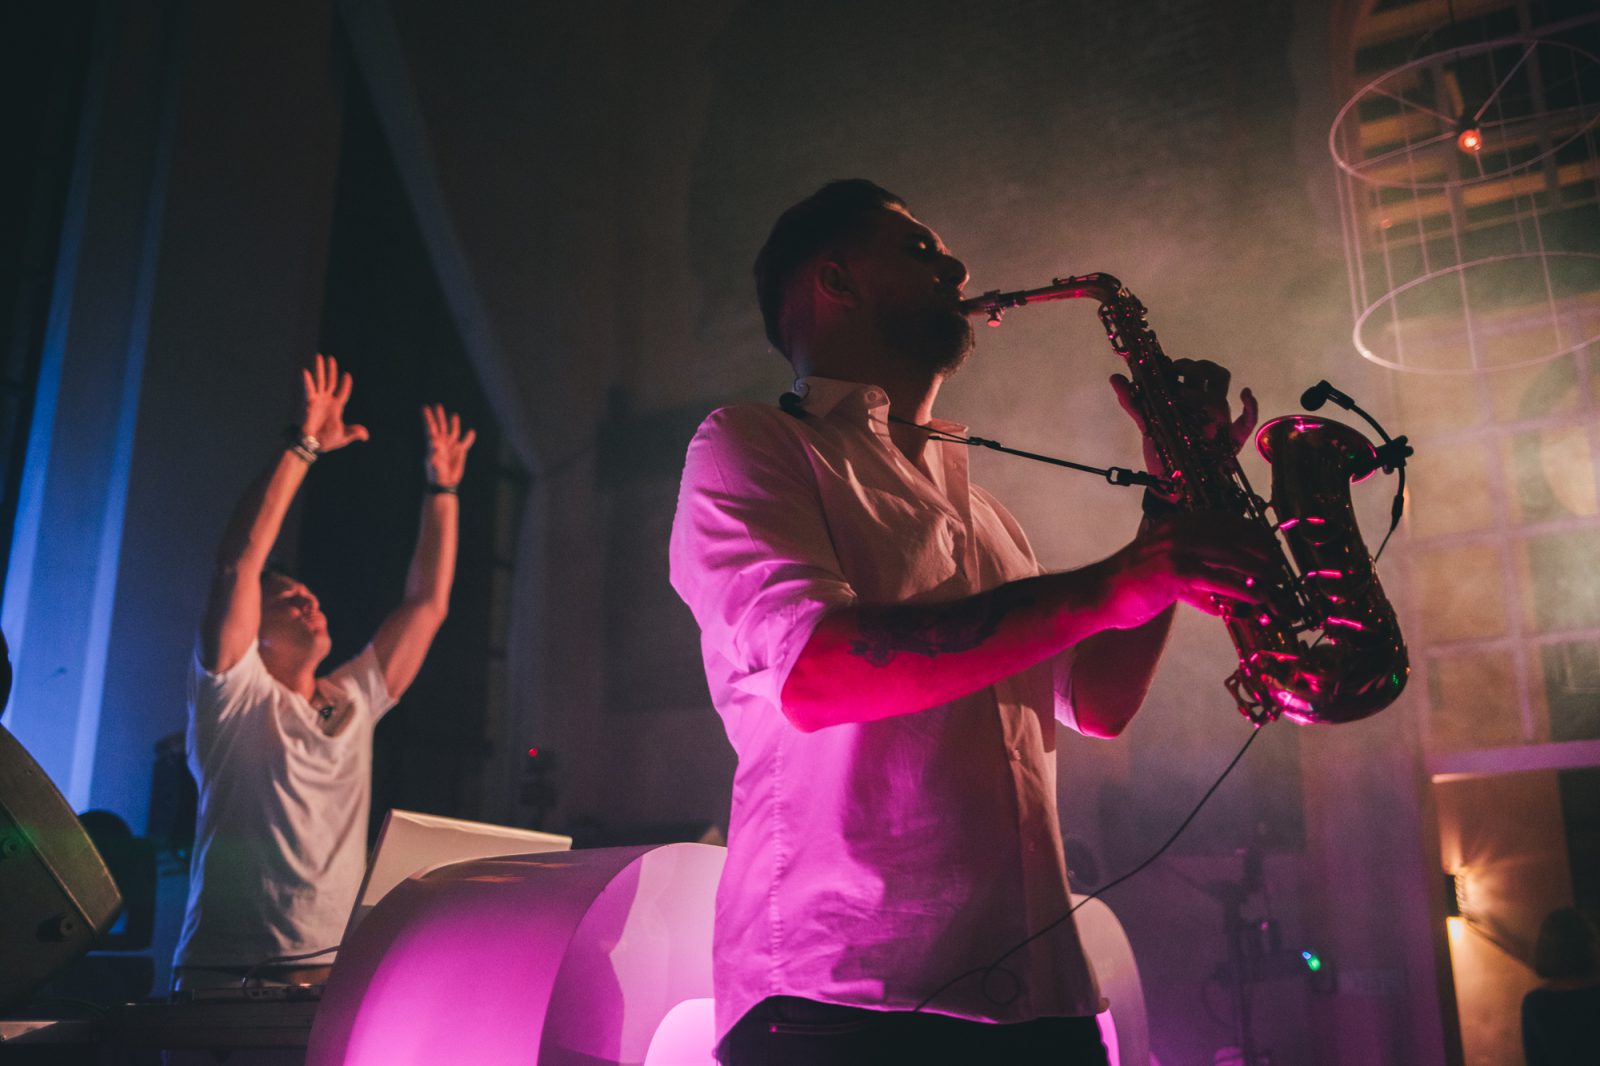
(890, 662)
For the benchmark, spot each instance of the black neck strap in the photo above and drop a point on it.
(793, 404)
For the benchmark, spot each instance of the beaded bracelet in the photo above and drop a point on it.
(302, 446)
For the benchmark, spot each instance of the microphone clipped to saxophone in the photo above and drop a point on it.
(1326, 646)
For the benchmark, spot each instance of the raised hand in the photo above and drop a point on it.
(447, 446)
(1203, 387)
(322, 414)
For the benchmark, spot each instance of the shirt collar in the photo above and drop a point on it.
(820, 396)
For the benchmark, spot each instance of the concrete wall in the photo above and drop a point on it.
(594, 182)
(1504, 834)
(610, 174)
(197, 228)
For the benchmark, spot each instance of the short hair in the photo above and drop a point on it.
(1568, 946)
(834, 214)
(274, 568)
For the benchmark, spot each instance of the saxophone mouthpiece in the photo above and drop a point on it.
(990, 305)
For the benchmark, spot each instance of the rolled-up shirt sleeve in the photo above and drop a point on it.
(1061, 682)
(751, 552)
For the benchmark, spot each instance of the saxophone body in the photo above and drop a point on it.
(1326, 647)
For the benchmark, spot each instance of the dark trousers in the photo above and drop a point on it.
(786, 1031)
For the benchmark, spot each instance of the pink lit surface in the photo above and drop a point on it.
(685, 1036)
(1124, 1026)
(586, 957)
(552, 960)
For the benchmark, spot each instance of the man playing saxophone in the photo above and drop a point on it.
(890, 662)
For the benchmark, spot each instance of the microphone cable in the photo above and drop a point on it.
(1390, 457)
(275, 960)
(995, 968)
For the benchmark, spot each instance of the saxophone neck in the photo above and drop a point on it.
(1099, 287)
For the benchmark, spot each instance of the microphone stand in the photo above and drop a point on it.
(1232, 897)
(1240, 935)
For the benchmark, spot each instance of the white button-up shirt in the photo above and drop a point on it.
(870, 863)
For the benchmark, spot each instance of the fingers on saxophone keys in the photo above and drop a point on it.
(1233, 580)
(1218, 589)
(1227, 557)
(1202, 375)
(1249, 415)
(1124, 390)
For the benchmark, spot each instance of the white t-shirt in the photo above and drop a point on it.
(281, 829)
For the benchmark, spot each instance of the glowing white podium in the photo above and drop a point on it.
(557, 959)
(1125, 1027)
(581, 958)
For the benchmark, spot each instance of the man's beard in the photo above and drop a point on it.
(937, 339)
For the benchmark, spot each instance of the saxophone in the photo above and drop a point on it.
(1326, 647)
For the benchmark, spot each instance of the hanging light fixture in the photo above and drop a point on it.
(1470, 202)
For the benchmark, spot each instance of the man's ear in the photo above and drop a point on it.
(835, 284)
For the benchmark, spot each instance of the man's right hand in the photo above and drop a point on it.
(1194, 558)
(322, 414)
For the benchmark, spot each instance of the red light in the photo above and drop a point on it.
(533, 753)
(1470, 140)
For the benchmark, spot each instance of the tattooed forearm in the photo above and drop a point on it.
(934, 629)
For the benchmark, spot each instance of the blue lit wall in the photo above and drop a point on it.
(189, 287)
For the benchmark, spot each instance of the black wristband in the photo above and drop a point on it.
(1157, 507)
(441, 490)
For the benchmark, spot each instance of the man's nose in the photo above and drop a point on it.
(953, 272)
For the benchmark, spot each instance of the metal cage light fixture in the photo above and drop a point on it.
(1469, 185)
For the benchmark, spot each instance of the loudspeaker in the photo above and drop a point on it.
(58, 895)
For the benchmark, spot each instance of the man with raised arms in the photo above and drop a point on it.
(283, 756)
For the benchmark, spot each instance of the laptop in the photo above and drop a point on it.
(411, 844)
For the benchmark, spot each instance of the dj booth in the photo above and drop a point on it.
(463, 948)
(556, 959)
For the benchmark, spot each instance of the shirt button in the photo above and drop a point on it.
(1016, 754)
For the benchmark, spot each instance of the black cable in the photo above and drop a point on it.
(1390, 458)
(1395, 510)
(995, 968)
(274, 960)
(100, 1010)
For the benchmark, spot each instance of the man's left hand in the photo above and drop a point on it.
(447, 446)
(1203, 388)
